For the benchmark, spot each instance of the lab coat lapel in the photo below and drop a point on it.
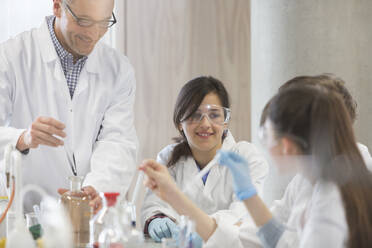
(88, 73)
(51, 59)
(44, 41)
(82, 82)
(212, 180)
(62, 82)
(190, 170)
(215, 172)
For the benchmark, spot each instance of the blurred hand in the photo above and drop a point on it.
(159, 180)
(41, 132)
(95, 199)
(239, 169)
(162, 228)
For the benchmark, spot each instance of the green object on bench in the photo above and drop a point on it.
(36, 231)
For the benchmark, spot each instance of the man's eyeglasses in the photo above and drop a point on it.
(83, 22)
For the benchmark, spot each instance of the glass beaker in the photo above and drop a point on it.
(31, 219)
(33, 225)
(76, 203)
(169, 243)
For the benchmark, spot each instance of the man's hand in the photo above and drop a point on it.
(95, 199)
(42, 132)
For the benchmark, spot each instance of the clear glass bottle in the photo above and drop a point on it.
(106, 220)
(187, 228)
(76, 203)
(134, 238)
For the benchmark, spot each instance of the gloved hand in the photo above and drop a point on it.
(239, 169)
(162, 228)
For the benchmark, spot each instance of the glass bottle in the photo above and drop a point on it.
(106, 223)
(76, 203)
(134, 238)
(187, 228)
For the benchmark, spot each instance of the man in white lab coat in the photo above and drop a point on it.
(66, 101)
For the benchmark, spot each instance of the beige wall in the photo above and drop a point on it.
(170, 42)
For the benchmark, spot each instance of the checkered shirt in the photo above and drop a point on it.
(71, 70)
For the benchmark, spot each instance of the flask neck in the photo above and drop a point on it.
(75, 183)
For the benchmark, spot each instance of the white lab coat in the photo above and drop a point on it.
(300, 199)
(320, 207)
(366, 155)
(217, 195)
(99, 118)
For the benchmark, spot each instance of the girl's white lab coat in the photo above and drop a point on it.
(314, 216)
(99, 118)
(217, 195)
(320, 206)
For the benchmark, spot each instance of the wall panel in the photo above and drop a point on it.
(170, 42)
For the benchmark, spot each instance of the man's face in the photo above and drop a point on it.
(77, 39)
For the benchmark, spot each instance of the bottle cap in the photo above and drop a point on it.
(111, 198)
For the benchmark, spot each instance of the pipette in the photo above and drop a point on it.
(71, 161)
(141, 176)
(130, 207)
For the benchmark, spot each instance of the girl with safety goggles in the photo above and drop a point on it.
(201, 115)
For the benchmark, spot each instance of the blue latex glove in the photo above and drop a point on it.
(239, 169)
(162, 228)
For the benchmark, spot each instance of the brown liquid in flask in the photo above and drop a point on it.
(76, 203)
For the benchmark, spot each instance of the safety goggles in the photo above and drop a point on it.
(215, 114)
(268, 141)
(271, 140)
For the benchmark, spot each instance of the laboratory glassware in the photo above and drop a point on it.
(76, 203)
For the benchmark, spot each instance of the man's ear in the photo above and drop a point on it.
(57, 8)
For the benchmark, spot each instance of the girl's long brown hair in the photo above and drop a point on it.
(319, 118)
